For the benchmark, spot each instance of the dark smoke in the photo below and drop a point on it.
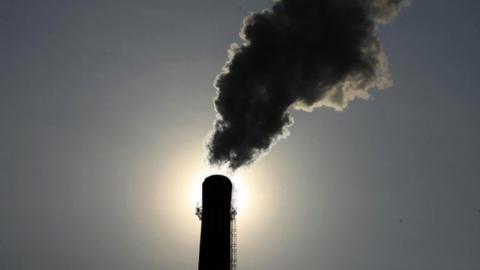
(301, 54)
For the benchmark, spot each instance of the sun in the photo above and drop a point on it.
(239, 194)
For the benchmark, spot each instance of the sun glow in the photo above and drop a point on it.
(179, 191)
(239, 196)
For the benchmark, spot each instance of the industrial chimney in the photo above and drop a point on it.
(217, 240)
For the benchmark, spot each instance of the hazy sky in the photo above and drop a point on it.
(104, 109)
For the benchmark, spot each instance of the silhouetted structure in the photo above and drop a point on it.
(216, 215)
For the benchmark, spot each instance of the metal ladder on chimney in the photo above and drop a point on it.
(233, 239)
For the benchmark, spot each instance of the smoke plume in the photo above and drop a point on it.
(300, 54)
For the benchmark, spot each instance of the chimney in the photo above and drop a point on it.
(216, 216)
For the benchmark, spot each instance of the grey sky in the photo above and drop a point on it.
(105, 105)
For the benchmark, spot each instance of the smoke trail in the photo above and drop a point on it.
(302, 54)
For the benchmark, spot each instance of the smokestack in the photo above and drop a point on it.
(216, 216)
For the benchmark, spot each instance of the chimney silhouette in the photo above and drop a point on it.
(216, 215)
